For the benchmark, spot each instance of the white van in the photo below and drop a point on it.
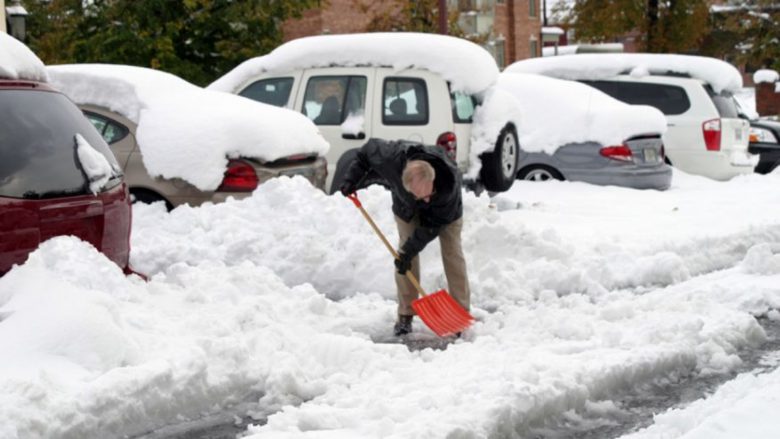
(705, 134)
(394, 86)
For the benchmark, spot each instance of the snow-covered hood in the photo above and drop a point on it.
(467, 66)
(183, 130)
(718, 74)
(17, 61)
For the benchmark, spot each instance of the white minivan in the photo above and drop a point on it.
(394, 86)
(705, 134)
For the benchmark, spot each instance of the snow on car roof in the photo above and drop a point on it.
(183, 130)
(718, 74)
(17, 61)
(467, 66)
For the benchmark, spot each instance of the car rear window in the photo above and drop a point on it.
(724, 102)
(670, 99)
(38, 147)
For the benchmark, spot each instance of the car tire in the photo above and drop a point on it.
(539, 173)
(148, 197)
(499, 168)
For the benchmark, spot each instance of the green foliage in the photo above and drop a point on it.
(672, 26)
(198, 40)
(747, 33)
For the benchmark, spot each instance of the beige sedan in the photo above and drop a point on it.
(241, 178)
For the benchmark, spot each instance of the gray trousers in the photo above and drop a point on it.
(452, 258)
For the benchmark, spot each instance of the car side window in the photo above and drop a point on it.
(111, 130)
(329, 100)
(463, 107)
(272, 91)
(724, 102)
(670, 99)
(405, 102)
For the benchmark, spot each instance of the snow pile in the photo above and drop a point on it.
(743, 408)
(761, 260)
(719, 74)
(184, 131)
(766, 75)
(17, 61)
(468, 67)
(94, 164)
(579, 291)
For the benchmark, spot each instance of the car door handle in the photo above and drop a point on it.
(358, 136)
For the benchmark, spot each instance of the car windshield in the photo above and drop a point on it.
(38, 148)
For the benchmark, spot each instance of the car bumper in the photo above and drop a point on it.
(657, 177)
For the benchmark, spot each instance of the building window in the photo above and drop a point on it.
(532, 8)
(534, 47)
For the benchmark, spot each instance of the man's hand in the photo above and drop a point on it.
(347, 188)
(403, 263)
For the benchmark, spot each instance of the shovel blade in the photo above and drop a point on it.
(440, 312)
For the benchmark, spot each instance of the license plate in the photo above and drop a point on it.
(651, 156)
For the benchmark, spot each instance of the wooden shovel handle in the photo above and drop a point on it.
(353, 197)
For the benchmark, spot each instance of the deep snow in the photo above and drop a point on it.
(274, 300)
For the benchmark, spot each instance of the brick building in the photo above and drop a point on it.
(509, 29)
(768, 99)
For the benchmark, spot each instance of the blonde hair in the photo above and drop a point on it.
(417, 170)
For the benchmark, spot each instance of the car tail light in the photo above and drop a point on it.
(239, 177)
(711, 130)
(622, 153)
(449, 143)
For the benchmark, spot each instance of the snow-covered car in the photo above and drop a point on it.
(395, 86)
(705, 136)
(57, 175)
(570, 131)
(179, 143)
(765, 141)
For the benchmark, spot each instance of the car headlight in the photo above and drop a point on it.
(762, 135)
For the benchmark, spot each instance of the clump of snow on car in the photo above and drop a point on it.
(17, 61)
(185, 131)
(718, 74)
(94, 164)
(766, 75)
(354, 124)
(498, 109)
(466, 66)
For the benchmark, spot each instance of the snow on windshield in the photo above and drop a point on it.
(540, 108)
(183, 130)
(17, 61)
(468, 67)
(719, 74)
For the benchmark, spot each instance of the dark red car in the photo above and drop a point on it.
(44, 189)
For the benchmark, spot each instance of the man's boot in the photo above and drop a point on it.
(403, 326)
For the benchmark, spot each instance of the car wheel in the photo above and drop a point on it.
(499, 168)
(148, 197)
(539, 173)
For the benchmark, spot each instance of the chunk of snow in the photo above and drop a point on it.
(94, 164)
(766, 75)
(17, 61)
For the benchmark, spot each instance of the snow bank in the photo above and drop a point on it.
(184, 131)
(467, 66)
(17, 61)
(579, 291)
(719, 74)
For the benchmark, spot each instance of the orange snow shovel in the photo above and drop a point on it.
(439, 311)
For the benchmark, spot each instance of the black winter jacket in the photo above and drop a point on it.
(388, 159)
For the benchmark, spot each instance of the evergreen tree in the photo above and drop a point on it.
(198, 40)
